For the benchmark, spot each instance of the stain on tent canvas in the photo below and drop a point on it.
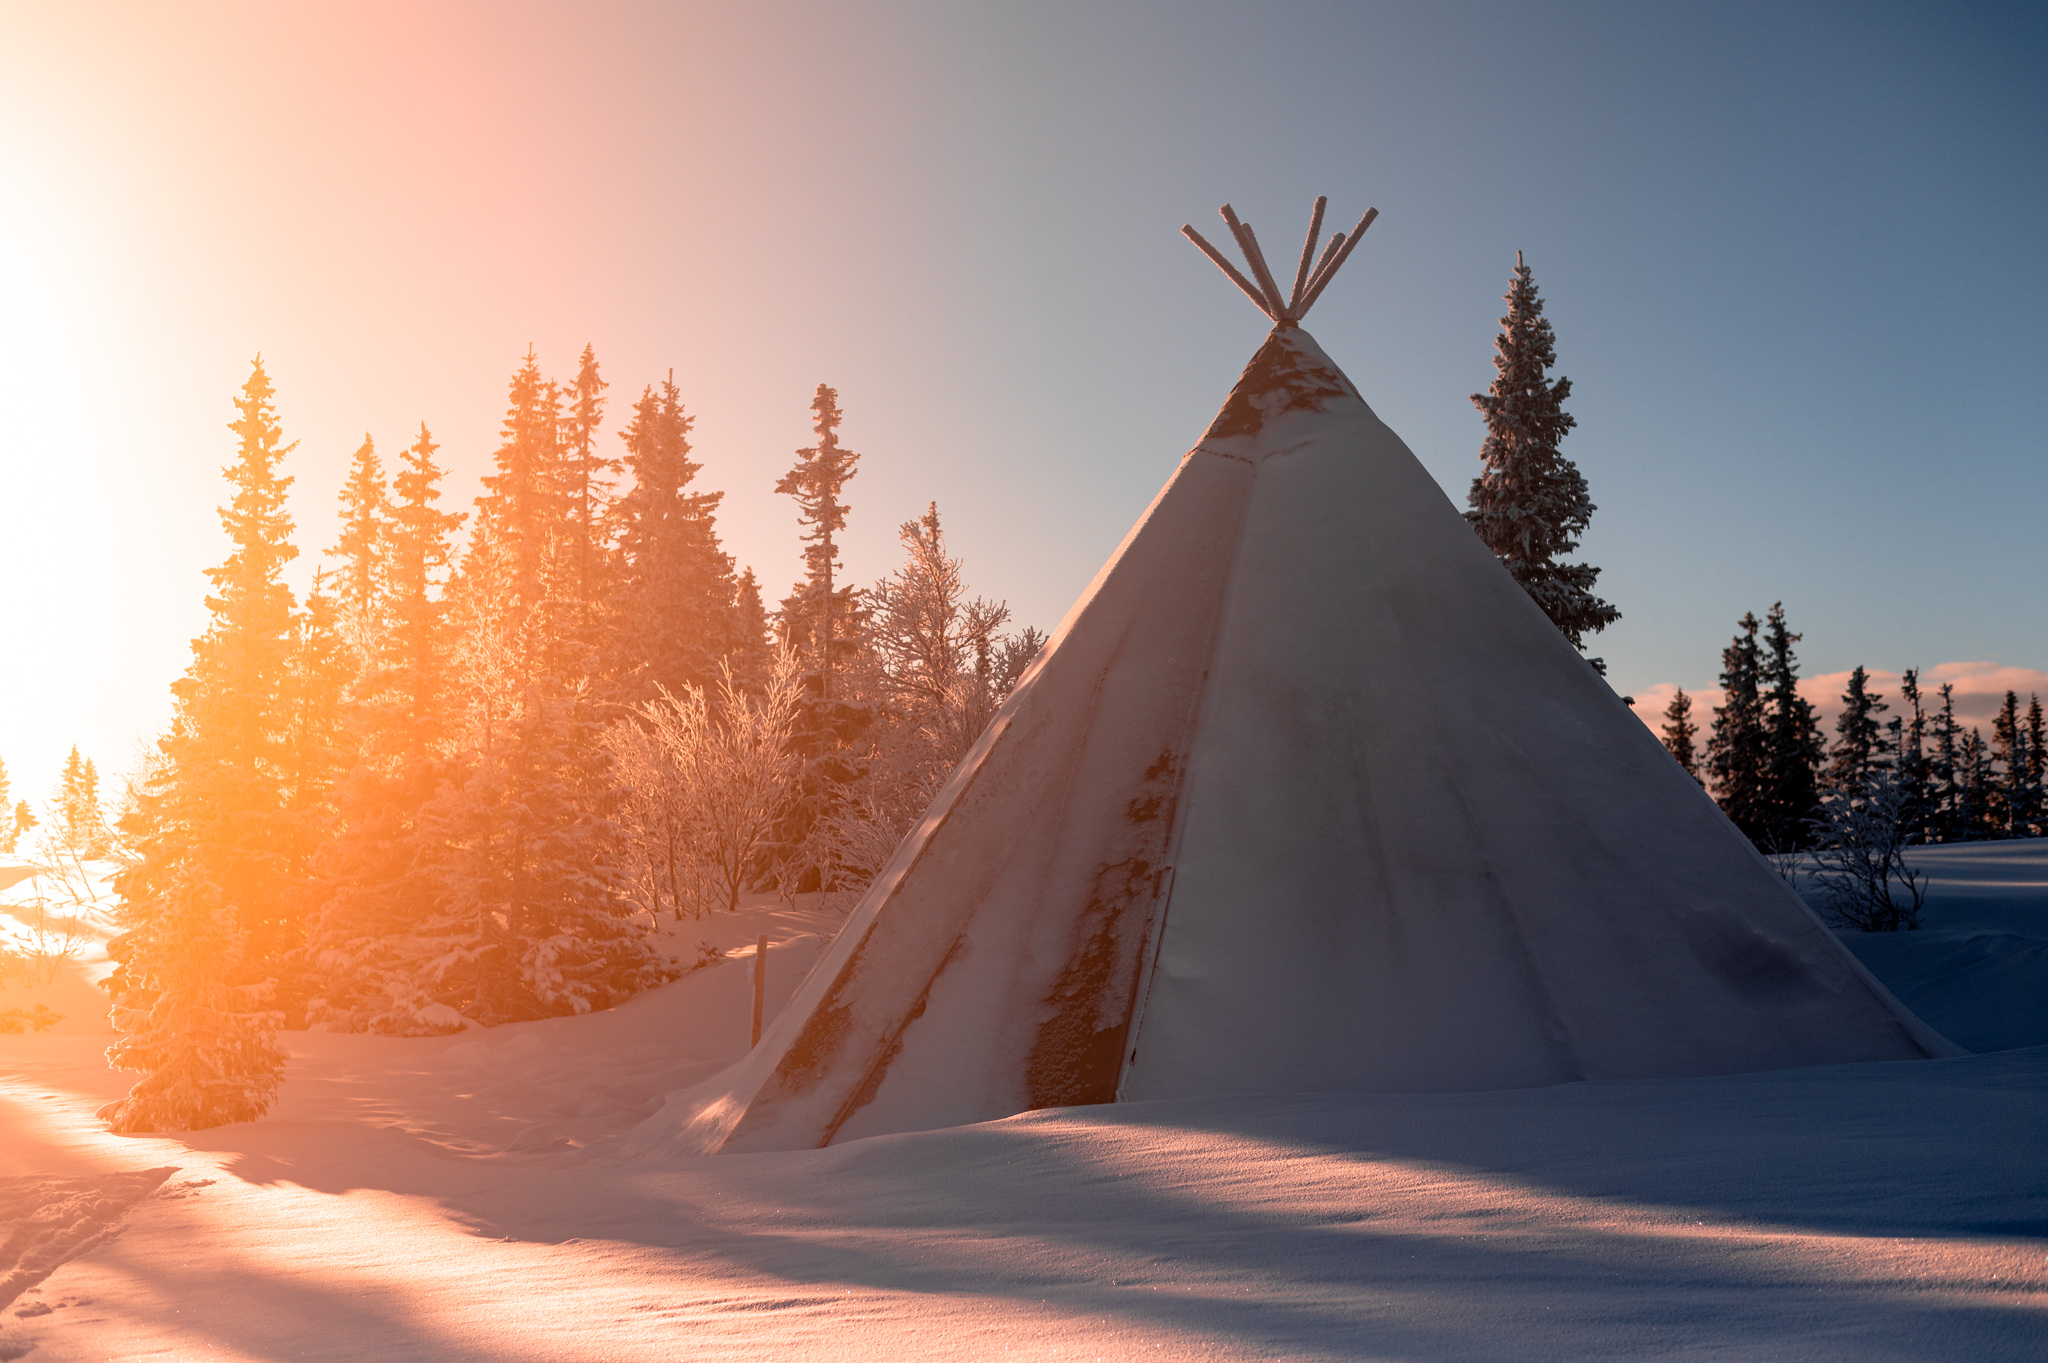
(1078, 1055)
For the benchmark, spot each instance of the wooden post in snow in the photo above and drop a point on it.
(760, 986)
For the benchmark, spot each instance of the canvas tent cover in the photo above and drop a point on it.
(1304, 794)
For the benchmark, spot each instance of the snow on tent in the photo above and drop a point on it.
(1304, 794)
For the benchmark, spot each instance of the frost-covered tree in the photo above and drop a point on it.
(1860, 863)
(939, 651)
(1530, 504)
(704, 779)
(1860, 744)
(1792, 743)
(1738, 753)
(937, 668)
(210, 899)
(1681, 735)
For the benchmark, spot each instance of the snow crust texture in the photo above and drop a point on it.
(1304, 795)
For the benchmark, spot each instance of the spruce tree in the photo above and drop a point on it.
(321, 746)
(1738, 751)
(754, 649)
(1531, 504)
(1974, 782)
(1680, 734)
(1793, 747)
(816, 613)
(1860, 745)
(81, 822)
(413, 720)
(1946, 798)
(522, 503)
(673, 584)
(2036, 807)
(586, 488)
(1915, 769)
(360, 585)
(2008, 812)
(210, 900)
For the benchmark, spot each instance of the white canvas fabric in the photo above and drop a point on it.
(1304, 794)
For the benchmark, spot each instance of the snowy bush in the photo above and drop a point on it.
(1860, 864)
(702, 781)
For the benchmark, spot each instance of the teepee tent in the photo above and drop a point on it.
(1304, 794)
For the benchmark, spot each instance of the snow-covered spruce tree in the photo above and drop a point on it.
(815, 615)
(1681, 734)
(521, 508)
(1738, 753)
(80, 827)
(365, 897)
(675, 613)
(826, 624)
(754, 642)
(359, 588)
(210, 899)
(1792, 743)
(1530, 504)
(410, 714)
(1860, 745)
(585, 478)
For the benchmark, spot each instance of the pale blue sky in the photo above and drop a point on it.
(1791, 253)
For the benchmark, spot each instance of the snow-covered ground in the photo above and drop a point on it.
(463, 1197)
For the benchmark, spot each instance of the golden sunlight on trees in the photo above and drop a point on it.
(457, 786)
(209, 901)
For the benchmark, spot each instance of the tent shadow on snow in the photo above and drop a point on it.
(1304, 795)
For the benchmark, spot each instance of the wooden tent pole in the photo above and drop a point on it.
(1329, 271)
(1249, 244)
(1187, 230)
(1308, 255)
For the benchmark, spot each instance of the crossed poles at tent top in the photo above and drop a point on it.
(1308, 285)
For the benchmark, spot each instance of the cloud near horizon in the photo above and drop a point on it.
(1979, 689)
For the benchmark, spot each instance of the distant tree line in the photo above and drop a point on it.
(1770, 769)
(1882, 784)
(456, 785)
